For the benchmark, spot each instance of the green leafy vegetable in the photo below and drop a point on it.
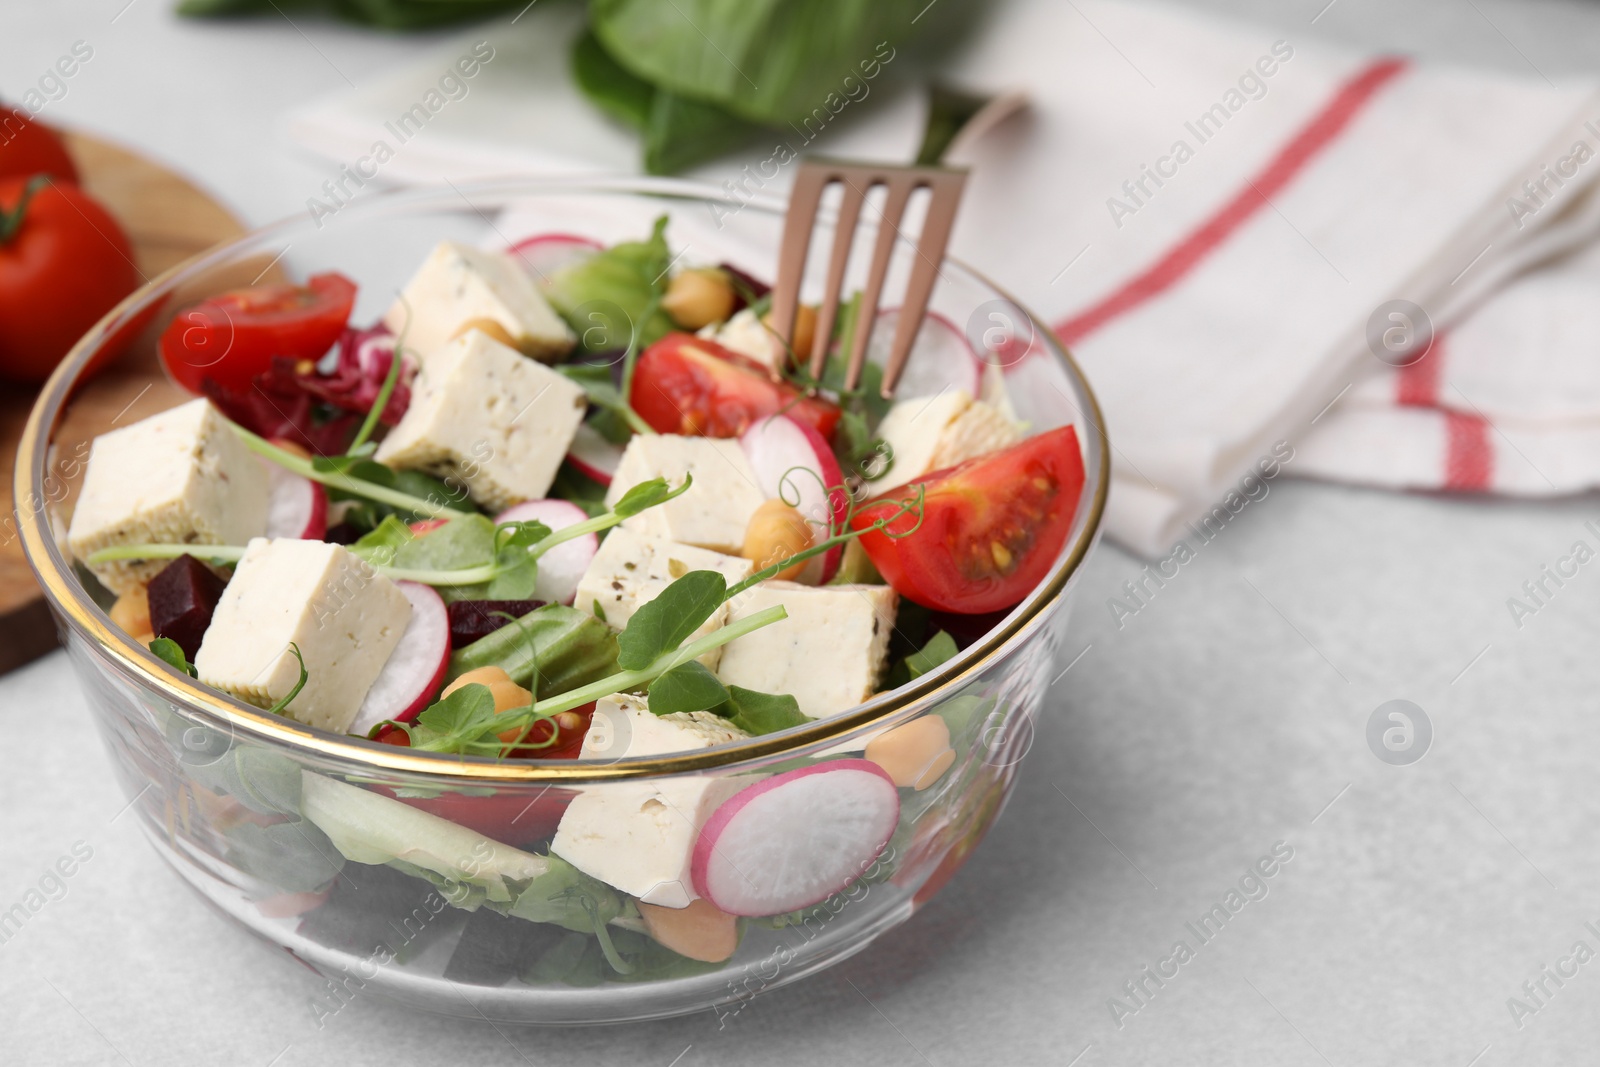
(949, 110)
(760, 713)
(686, 687)
(602, 394)
(367, 827)
(665, 622)
(567, 897)
(465, 722)
(684, 132)
(295, 856)
(649, 494)
(561, 647)
(575, 960)
(386, 14)
(277, 707)
(631, 275)
(359, 445)
(678, 131)
(516, 567)
(170, 651)
(624, 96)
(771, 61)
(941, 647)
(574, 486)
(356, 475)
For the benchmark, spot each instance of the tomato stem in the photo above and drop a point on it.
(11, 222)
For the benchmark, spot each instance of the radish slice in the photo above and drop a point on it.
(547, 253)
(793, 462)
(593, 455)
(795, 839)
(562, 566)
(296, 507)
(941, 358)
(415, 669)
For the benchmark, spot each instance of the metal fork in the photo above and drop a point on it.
(945, 186)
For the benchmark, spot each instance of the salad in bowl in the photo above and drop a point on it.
(516, 626)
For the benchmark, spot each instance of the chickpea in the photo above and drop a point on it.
(916, 754)
(697, 298)
(507, 693)
(776, 532)
(805, 331)
(132, 612)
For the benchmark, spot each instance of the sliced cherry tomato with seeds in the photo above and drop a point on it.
(689, 385)
(230, 338)
(991, 527)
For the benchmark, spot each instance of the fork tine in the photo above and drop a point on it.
(894, 206)
(946, 191)
(804, 200)
(844, 235)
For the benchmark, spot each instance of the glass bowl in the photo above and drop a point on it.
(411, 873)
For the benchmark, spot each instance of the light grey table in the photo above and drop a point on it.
(1228, 716)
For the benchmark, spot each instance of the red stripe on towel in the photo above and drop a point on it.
(1323, 128)
(1469, 459)
(1417, 384)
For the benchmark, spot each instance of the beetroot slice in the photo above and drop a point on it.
(472, 619)
(182, 599)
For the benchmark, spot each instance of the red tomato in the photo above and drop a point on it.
(991, 527)
(28, 148)
(64, 262)
(689, 385)
(514, 818)
(230, 338)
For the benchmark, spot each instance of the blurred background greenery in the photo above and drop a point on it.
(694, 78)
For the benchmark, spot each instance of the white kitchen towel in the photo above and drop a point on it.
(1209, 213)
(1506, 402)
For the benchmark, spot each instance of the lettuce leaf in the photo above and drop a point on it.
(630, 275)
(771, 61)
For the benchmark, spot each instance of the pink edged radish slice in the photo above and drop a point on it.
(296, 507)
(547, 253)
(593, 455)
(415, 669)
(795, 839)
(941, 358)
(793, 462)
(562, 566)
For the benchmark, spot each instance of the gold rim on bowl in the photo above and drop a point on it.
(68, 597)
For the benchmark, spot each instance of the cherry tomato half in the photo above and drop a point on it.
(28, 148)
(991, 527)
(514, 818)
(230, 338)
(64, 264)
(689, 385)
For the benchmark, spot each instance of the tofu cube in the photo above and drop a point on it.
(343, 616)
(747, 335)
(714, 512)
(828, 654)
(633, 568)
(493, 419)
(640, 836)
(459, 286)
(180, 477)
(930, 434)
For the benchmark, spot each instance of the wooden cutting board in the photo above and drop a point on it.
(167, 219)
